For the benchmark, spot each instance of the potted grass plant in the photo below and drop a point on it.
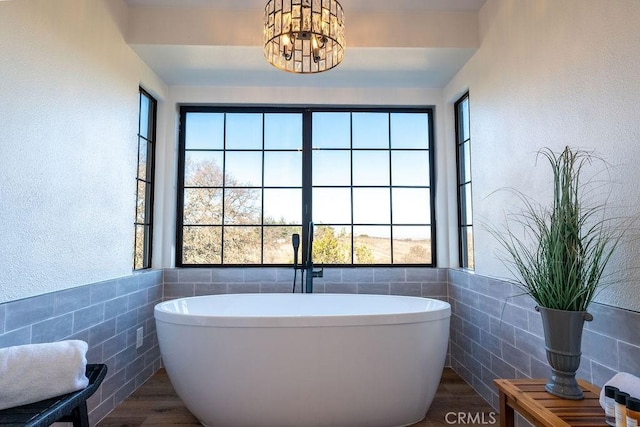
(558, 254)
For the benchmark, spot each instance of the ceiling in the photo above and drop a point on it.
(442, 5)
(399, 43)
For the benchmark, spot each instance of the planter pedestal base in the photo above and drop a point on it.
(563, 339)
(564, 384)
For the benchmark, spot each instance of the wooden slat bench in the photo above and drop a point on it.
(529, 398)
(70, 407)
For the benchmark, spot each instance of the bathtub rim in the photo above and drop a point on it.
(439, 310)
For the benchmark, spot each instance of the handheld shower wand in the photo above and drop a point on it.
(295, 241)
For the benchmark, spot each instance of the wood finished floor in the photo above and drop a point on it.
(156, 404)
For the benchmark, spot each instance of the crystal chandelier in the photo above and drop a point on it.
(303, 36)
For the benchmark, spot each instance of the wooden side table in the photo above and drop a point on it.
(529, 398)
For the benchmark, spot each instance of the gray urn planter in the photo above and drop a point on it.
(563, 340)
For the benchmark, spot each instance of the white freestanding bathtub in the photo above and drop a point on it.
(278, 360)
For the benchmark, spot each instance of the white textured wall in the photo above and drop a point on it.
(68, 120)
(554, 73)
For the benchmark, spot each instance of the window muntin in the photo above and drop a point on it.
(271, 171)
(465, 209)
(143, 223)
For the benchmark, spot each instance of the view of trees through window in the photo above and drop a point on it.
(143, 222)
(250, 178)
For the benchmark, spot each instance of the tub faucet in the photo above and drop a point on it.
(295, 241)
(311, 273)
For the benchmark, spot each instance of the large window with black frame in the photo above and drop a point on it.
(465, 208)
(143, 224)
(250, 178)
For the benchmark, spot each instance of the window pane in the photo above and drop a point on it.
(202, 206)
(332, 245)
(283, 169)
(467, 160)
(242, 245)
(203, 169)
(371, 206)
(411, 245)
(332, 205)
(372, 245)
(201, 245)
(411, 206)
(242, 206)
(370, 168)
(332, 167)
(147, 247)
(370, 130)
(464, 162)
(243, 169)
(204, 131)
(283, 131)
(467, 212)
(410, 168)
(277, 245)
(244, 131)
(139, 250)
(142, 158)
(409, 130)
(141, 202)
(464, 118)
(462, 202)
(470, 257)
(331, 130)
(283, 206)
(143, 125)
(463, 235)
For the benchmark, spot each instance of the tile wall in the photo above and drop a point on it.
(494, 332)
(106, 315)
(497, 334)
(426, 282)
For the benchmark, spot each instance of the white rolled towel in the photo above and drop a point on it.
(34, 372)
(625, 382)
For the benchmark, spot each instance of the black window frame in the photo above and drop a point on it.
(148, 181)
(464, 184)
(307, 186)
